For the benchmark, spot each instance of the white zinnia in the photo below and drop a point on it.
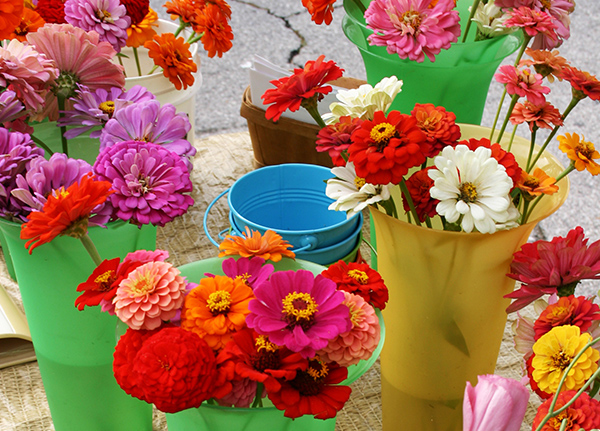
(363, 101)
(490, 20)
(471, 184)
(351, 193)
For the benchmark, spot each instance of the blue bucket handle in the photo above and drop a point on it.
(310, 241)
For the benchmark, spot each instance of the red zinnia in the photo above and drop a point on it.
(66, 212)
(52, 11)
(99, 285)
(568, 310)
(336, 138)
(438, 125)
(304, 84)
(320, 10)
(418, 186)
(313, 392)
(384, 149)
(583, 83)
(359, 279)
(583, 414)
(136, 10)
(11, 12)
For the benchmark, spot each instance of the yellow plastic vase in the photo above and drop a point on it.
(446, 313)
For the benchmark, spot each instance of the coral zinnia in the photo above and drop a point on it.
(66, 212)
(313, 392)
(174, 56)
(536, 183)
(583, 83)
(582, 414)
(535, 23)
(320, 10)
(10, 17)
(359, 279)
(545, 116)
(216, 309)
(568, 310)
(522, 82)
(269, 246)
(150, 294)
(581, 152)
(384, 149)
(554, 352)
(299, 311)
(438, 125)
(547, 63)
(305, 86)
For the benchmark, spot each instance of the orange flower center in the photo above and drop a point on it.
(142, 286)
(560, 360)
(359, 276)
(382, 133)
(468, 192)
(219, 302)
(299, 308)
(266, 357)
(545, 4)
(586, 149)
(317, 370)
(558, 313)
(262, 343)
(311, 381)
(555, 423)
(531, 182)
(412, 19)
(359, 182)
(104, 280)
(107, 107)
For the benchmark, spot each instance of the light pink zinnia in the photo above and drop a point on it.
(545, 116)
(151, 294)
(523, 82)
(411, 29)
(359, 342)
(560, 11)
(26, 72)
(81, 59)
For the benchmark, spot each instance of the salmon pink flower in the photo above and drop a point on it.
(544, 116)
(241, 395)
(411, 29)
(522, 83)
(299, 311)
(535, 23)
(547, 63)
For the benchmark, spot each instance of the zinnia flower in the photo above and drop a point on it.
(216, 309)
(151, 184)
(544, 116)
(241, 395)
(490, 20)
(101, 284)
(108, 18)
(359, 279)
(554, 352)
(251, 271)
(10, 16)
(535, 23)
(582, 414)
(52, 11)
(212, 23)
(471, 184)
(143, 31)
(543, 267)
(523, 83)
(583, 83)
(11, 109)
(299, 311)
(174, 56)
(360, 341)
(313, 392)
(335, 138)
(30, 22)
(184, 9)
(149, 295)
(384, 149)
(320, 10)
(351, 193)
(137, 10)
(269, 246)
(411, 29)
(305, 86)
(547, 63)
(568, 310)
(419, 184)
(581, 152)
(536, 184)
(495, 403)
(438, 125)
(65, 213)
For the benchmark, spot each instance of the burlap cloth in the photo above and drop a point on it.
(219, 162)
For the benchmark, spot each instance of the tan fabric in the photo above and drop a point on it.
(219, 162)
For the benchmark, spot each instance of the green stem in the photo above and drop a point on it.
(513, 102)
(91, 248)
(471, 15)
(63, 129)
(182, 25)
(409, 200)
(526, 39)
(525, 208)
(537, 200)
(373, 249)
(314, 113)
(512, 137)
(498, 114)
(137, 61)
(40, 143)
(195, 37)
(258, 398)
(531, 146)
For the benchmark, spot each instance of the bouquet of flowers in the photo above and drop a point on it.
(234, 338)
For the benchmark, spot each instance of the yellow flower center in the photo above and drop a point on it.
(586, 149)
(317, 370)
(359, 276)
(142, 286)
(356, 314)
(244, 277)
(412, 19)
(359, 182)
(262, 343)
(382, 133)
(104, 279)
(556, 422)
(104, 16)
(299, 308)
(558, 313)
(468, 192)
(560, 360)
(107, 107)
(546, 5)
(219, 302)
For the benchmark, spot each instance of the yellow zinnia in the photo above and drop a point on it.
(554, 352)
(581, 152)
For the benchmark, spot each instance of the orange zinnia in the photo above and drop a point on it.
(217, 34)
(66, 212)
(184, 9)
(268, 246)
(320, 10)
(547, 63)
(30, 22)
(537, 183)
(216, 309)
(582, 153)
(10, 17)
(174, 56)
(138, 34)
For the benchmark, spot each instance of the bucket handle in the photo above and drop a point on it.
(308, 246)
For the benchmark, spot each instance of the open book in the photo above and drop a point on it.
(15, 339)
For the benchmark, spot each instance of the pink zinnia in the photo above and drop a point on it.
(535, 23)
(546, 267)
(149, 295)
(523, 83)
(360, 341)
(545, 116)
(510, 4)
(411, 29)
(242, 394)
(81, 59)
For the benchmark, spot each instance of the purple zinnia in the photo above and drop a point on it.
(108, 18)
(150, 182)
(251, 270)
(299, 310)
(150, 122)
(93, 109)
(11, 107)
(45, 176)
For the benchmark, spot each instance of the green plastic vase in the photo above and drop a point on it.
(458, 79)
(217, 418)
(75, 348)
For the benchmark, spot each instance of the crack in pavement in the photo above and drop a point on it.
(286, 23)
